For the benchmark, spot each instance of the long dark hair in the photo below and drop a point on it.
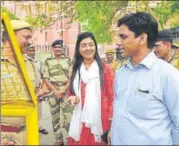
(78, 59)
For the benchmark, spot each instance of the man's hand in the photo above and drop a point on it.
(6, 141)
(40, 93)
(73, 100)
(109, 137)
(58, 94)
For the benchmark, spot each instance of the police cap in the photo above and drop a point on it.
(20, 24)
(57, 42)
(165, 35)
(109, 51)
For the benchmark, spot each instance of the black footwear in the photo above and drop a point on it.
(43, 131)
(59, 144)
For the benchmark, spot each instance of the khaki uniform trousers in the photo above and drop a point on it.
(18, 138)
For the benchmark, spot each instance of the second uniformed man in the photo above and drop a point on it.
(31, 52)
(163, 48)
(115, 64)
(56, 77)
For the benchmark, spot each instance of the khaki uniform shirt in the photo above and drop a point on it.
(12, 89)
(57, 70)
(32, 71)
(175, 59)
(12, 85)
(116, 64)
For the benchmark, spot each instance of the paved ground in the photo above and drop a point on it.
(46, 116)
(47, 124)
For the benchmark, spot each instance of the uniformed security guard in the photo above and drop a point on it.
(116, 64)
(163, 48)
(30, 51)
(13, 128)
(56, 77)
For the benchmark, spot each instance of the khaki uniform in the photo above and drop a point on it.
(32, 71)
(116, 64)
(175, 59)
(121, 62)
(57, 72)
(40, 69)
(12, 88)
(35, 77)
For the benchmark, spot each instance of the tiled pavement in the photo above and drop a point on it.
(46, 123)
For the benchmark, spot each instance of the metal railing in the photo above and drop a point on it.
(47, 48)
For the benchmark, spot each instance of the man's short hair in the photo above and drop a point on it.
(141, 22)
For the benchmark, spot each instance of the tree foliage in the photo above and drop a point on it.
(167, 13)
(10, 14)
(97, 17)
(43, 14)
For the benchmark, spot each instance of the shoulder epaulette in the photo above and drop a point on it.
(2, 59)
(49, 58)
(6, 60)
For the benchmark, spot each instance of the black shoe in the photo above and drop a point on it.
(59, 144)
(43, 131)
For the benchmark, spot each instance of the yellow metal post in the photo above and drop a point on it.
(27, 109)
(19, 57)
(32, 128)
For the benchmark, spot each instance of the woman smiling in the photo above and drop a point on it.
(91, 92)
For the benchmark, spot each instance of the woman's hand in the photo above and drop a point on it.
(73, 100)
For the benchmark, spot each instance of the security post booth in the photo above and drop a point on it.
(18, 98)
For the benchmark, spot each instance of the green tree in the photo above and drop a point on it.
(97, 17)
(10, 14)
(167, 13)
(43, 14)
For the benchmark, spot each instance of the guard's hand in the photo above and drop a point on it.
(109, 137)
(58, 94)
(73, 100)
(40, 93)
(39, 99)
(5, 141)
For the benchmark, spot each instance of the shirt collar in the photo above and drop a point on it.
(148, 61)
(26, 57)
